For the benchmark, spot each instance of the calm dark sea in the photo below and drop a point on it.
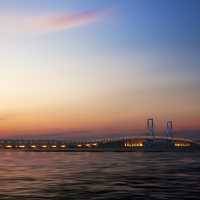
(98, 176)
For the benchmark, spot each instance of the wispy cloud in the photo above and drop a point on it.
(49, 22)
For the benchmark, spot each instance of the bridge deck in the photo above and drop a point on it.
(141, 143)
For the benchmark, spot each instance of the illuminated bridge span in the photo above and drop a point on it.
(141, 143)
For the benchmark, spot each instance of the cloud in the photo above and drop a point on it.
(13, 23)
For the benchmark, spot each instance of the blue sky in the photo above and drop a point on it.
(117, 62)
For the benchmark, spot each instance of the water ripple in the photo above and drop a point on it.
(99, 176)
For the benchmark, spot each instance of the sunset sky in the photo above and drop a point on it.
(98, 66)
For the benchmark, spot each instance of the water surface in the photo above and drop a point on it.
(98, 176)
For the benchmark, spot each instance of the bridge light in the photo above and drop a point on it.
(33, 146)
(53, 146)
(177, 144)
(8, 146)
(88, 145)
(134, 144)
(44, 146)
(22, 146)
(63, 146)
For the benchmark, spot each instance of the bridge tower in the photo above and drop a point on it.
(150, 127)
(169, 129)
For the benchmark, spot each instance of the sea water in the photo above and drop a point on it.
(99, 175)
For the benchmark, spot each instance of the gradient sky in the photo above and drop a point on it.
(98, 65)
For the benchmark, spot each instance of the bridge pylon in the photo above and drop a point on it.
(150, 127)
(169, 129)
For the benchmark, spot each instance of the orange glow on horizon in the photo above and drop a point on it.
(40, 122)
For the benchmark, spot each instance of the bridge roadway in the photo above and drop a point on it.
(140, 143)
(54, 145)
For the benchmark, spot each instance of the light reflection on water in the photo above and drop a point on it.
(64, 175)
